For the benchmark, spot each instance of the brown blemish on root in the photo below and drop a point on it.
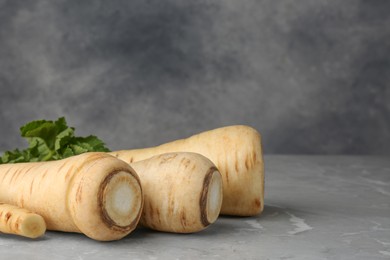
(44, 174)
(29, 169)
(186, 162)
(131, 159)
(151, 210)
(227, 175)
(171, 207)
(226, 172)
(236, 165)
(31, 186)
(166, 158)
(23, 173)
(257, 203)
(17, 223)
(42, 178)
(236, 161)
(203, 196)
(14, 175)
(79, 192)
(247, 162)
(6, 173)
(69, 173)
(62, 166)
(22, 202)
(7, 216)
(158, 215)
(183, 218)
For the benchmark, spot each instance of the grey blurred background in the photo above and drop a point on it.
(312, 76)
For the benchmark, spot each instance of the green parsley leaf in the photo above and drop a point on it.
(52, 140)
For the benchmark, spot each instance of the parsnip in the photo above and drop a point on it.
(92, 193)
(237, 153)
(18, 221)
(182, 191)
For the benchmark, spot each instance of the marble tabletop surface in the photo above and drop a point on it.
(316, 207)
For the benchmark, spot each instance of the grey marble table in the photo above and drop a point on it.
(317, 207)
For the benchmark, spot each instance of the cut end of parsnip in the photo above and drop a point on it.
(33, 226)
(214, 197)
(122, 197)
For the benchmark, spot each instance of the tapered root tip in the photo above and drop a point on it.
(33, 226)
(122, 201)
(214, 197)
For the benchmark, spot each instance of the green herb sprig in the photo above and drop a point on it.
(51, 140)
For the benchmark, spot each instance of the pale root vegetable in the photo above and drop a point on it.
(182, 192)
(237, 153)
(92, 193)
(19, 221)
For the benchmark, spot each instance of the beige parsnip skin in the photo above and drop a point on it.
(237, 153)
(92, 193)
(19, 221)
(182, 192)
